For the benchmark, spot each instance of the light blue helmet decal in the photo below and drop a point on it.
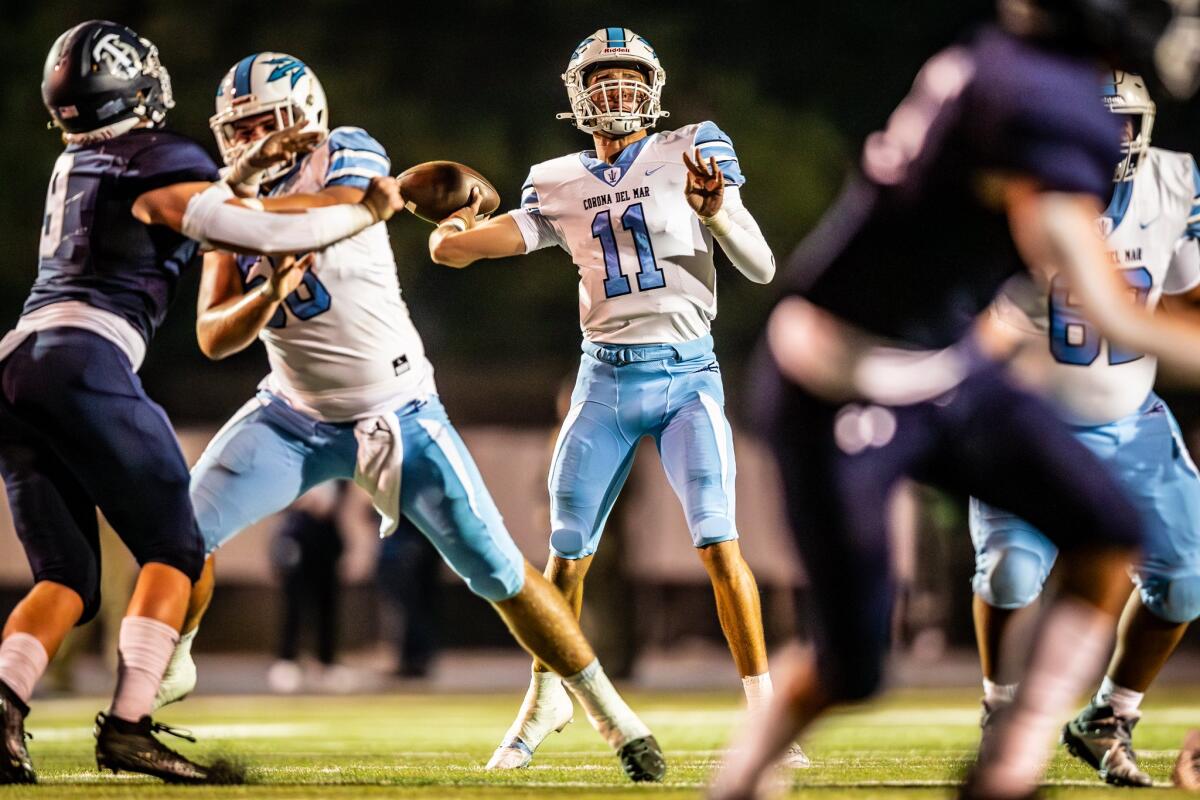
(241, 76)
(286, 66)
(616, 37)
(582, 46)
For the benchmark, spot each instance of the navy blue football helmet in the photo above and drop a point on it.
(102, 78)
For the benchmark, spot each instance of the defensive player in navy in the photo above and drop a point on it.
(1003, 149)
(640, 216)
(77, 430)
(1106, 394)
(351, 393)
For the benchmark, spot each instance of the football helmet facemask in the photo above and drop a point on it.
(1125, 93)
(262, 83)
(592, 108)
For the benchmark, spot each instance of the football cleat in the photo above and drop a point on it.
(642, 759)
(541, 714)
(15, 766)
(1104, 741)
(131, 746)
(180, 678)
(795, 758)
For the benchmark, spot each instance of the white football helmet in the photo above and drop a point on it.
(1126, 94)
(614, 47)
(267, 82)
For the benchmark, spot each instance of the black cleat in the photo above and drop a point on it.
(131, 746)
(1103, 740)
(642, 760)
(15, 766)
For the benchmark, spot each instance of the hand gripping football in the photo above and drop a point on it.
(436, 189)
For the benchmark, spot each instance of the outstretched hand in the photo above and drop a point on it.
(705, 188)
(283, 144)
(469, 213)
(382, 197)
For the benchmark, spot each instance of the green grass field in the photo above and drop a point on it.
(910, 745)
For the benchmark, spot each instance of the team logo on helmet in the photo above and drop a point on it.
(118, 56)
(286, 66)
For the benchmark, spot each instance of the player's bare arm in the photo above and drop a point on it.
(229, 319)
(1059, 228)
(459, 241)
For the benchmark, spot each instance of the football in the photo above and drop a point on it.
(436, 189)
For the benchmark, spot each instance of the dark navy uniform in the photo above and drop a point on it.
(914, 250)
(77, 430)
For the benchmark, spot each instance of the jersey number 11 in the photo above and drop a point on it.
(649, 276)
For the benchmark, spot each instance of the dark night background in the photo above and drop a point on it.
(797, 88)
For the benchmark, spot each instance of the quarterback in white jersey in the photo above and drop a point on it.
(1152, 227)
(640, 216)
(351, 395)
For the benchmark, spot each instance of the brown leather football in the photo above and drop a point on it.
(436, 189)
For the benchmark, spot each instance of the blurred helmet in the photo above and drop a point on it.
(1125, 93)
(101, 79)
(267, 83)
(591, 106)
(1159, 39)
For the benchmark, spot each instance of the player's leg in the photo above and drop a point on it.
(591, 460)
(837, 488)
(1008, 448)
(265, 457)
(443, 494)
(56, 522)
(1012, 561)
(1151, 462)
(696, 448)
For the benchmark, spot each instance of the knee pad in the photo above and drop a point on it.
(1173, 599)
(569, 544)
(1012, 579)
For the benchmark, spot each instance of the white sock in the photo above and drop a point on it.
(608, 713)
(22, 662)
(1124, 701)
(1071, 645)
(758, 692)
(998, 695)
(535, 705)
(144, 647)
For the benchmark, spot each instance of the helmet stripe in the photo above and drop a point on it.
(241, 75)
(616, 37)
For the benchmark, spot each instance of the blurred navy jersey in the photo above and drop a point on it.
(92, 249)
(918, 244)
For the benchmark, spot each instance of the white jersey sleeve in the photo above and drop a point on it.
(1184, 274)
(342, 346)
(537, 231)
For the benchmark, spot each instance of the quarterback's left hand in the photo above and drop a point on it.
(705, 185)
(282, 144)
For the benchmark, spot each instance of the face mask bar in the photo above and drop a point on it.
(226, 132)
(1134, 149)
(592, 110)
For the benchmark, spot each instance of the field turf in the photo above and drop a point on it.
(910, 745)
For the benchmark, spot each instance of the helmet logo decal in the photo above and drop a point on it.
(582, 46)
(118, 56)
(285, 66)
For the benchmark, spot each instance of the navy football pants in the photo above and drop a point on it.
(985, 438)
(77, 431)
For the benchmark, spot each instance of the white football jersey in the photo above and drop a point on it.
(342, 346)
(1152, 226)
(645, 262)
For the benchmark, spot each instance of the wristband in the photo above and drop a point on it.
(456, 222)
(718, 223)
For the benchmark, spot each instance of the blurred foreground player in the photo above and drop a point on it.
(351, 394)
(997, 158)
(1106, 395)
(641, 216)
(77, 430)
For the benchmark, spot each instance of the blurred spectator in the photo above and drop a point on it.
(305, 553)
(408, 576)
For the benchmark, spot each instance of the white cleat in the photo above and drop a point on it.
(794, 758)
(180, 678)
(547, 709)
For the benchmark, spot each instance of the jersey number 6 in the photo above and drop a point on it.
(1073, 339)
(649, 276)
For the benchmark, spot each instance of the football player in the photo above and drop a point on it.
(998, 158)
(351, 394)
(125, 203)
(641, 216)
(1152, 224)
